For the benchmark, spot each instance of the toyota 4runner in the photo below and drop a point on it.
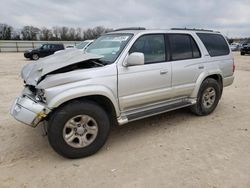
(125, 75)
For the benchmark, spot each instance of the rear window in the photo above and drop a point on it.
(215, 44)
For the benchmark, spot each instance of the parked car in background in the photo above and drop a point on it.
(43, 51)
(83, 45)
(245, 49)
(235, 46)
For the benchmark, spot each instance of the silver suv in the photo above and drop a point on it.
(123, 76)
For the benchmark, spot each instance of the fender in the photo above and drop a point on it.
(83, 92)
(201, 78)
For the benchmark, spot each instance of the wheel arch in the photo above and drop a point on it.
(98, 94)
(101, 100)
(215, 75)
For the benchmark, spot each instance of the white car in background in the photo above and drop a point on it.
(83, 45)
(235, 46)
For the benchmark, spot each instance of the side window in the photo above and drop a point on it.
(215, 44)
(45, 46)
(152, 46)
(196, 51)
(183, 47)
(53, 46)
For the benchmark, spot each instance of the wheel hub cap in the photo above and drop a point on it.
(209, 97)
(80, 131)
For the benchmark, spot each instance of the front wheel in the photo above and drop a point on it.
(242, 53)
(208, 97)
(78, 129)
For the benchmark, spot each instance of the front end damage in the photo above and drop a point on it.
(28, 110)
(31, 106)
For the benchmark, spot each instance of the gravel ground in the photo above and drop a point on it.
(175, 149)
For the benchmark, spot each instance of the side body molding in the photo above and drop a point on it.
(83, 92)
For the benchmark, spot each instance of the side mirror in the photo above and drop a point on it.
(135, 58)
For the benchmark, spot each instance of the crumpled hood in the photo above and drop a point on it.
(32, 72)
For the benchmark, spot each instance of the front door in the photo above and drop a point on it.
(149, 83)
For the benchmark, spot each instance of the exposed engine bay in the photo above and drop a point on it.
(80, 65)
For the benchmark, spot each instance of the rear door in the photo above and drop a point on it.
(187, 63)
(149, 83)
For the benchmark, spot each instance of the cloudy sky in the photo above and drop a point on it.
(232, 17)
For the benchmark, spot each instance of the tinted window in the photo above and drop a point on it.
(152, 46)
(183, 47)
(45, 46)
(215, 44)
(57, 46)
(196, 51)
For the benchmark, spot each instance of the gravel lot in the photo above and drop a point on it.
(175, 149)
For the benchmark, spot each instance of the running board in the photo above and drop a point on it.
(147, 112)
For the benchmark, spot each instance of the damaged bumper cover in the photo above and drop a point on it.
(28, 111)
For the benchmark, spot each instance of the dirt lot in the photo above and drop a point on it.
(176, 149)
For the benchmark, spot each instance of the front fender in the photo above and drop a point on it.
(201, 78)
(83, 92)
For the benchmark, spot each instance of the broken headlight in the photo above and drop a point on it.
(40, 95)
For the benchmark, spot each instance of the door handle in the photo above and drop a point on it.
(163, 71)
(200, 67)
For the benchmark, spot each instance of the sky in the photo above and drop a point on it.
(231, 17)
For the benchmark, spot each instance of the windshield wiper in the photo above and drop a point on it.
(104, 62)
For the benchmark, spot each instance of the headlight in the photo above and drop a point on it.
(40, 95)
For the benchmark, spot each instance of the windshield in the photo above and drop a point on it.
(82, 45)
(109, 46)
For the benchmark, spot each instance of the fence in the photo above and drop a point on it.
(21, 46)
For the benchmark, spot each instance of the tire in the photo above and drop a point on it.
(242, 53)
(59, 131)
(35, 57)
(206, 105)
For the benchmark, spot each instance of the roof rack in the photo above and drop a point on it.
(194, 29)
(130, 28)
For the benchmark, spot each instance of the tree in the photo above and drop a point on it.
(72, 34)
(56, 33)
(88, 34)
(64, 33)
(45, 34)
(78, 35)
(5, 31)
(30, 33)
(95, 32)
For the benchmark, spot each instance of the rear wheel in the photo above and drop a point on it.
(242, 53)
(208, 97)
(78, 129)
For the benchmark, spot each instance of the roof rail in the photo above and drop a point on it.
(130, 28)
(194, 29)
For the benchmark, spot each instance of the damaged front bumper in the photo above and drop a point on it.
(28, 111)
